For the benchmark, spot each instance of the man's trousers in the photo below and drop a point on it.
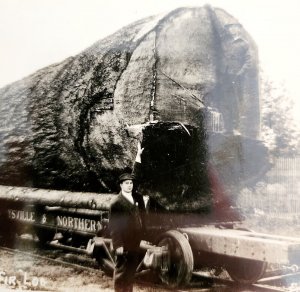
(125, 269)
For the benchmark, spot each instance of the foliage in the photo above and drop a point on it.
(279, 130)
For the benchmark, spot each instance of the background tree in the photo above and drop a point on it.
(279, 130)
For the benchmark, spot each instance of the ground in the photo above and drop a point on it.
(60, 271)
(34, 273)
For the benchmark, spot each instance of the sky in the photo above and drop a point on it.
(37, 33)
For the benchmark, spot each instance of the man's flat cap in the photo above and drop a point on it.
(126, 176)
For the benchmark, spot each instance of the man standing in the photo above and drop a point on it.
(126, 226)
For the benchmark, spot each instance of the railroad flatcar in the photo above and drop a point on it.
(174, 250)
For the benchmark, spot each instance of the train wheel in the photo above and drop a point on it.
(44, 235)
(8, 232)
(246, 271)
(178, 264)
(8, 239)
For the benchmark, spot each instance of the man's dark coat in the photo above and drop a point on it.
(126, 226)
(127, 222)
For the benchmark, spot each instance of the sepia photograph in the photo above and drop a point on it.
(149, 145)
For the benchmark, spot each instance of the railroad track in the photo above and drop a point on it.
(264, 285)
(200, 281)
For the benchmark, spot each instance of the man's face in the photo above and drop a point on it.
(127, 186)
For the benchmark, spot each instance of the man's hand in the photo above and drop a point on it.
(120, 250)
(139, 153)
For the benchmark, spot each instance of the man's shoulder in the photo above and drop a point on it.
(117, 201)
(139, 199)
(137, 195)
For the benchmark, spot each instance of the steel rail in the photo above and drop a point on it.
(46, 258)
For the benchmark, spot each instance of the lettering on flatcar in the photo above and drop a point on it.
(82, 224)
(69, 222)
(21, 215)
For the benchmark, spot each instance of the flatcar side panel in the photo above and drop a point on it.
(244, 244)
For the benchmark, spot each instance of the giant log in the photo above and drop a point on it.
(193, 70)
